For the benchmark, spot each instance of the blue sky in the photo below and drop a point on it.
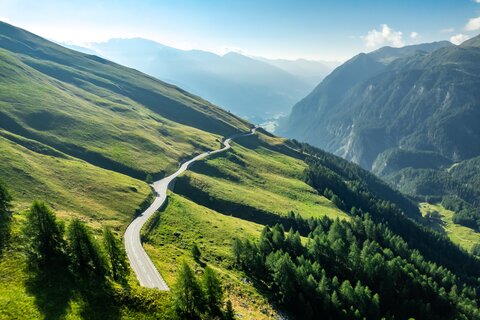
(326, 30)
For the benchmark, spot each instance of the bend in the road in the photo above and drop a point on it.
(142, 265)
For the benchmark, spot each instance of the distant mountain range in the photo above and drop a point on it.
(408, 114)
(255, 88)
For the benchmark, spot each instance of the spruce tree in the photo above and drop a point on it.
(189, 300)
(85, 255)
(116, 255)
(5, 217)
(44, 235)
(213, 292)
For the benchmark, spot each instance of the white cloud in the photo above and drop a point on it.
(473, 24)
(477, 1)
(414, 35)
(375, 38)
(5, 20)
(458, 38)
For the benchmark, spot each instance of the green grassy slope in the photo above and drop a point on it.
(236, 193)
(458, 234)
(71, 186)
(254, 176)
(81, 133)
(184, 223)
(114, 117)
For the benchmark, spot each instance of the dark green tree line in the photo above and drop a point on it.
(354, 270)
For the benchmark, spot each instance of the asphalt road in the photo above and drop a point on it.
(142, 265)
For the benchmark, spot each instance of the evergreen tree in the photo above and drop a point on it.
(189, 300)
(116, 256)
(44, 235)
(213, 292)
(317, 278)
(5, 217)
(237, 248)
(5, 199)
(84, 252)
(149, 179)
(476, 250)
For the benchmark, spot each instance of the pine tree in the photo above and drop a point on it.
(45, 236)
(237, 248)
(476, 250)
(5, 199)
(149, 179)
(5, 217)
(188, 295)
(85, 255)
(116, 256)
(213, 292)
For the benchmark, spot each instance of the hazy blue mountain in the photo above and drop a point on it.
(251, 88)
(310, 71)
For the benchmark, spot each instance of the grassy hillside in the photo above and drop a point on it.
(253, 176)
(441, 219)
(73, 187)
(184, 223)
(229, 195)
(111, 116)
(81, 133)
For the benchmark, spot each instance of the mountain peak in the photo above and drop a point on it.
(388, 54)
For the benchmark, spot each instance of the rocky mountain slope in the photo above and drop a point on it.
(408, 114)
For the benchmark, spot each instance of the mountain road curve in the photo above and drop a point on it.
(145, 271)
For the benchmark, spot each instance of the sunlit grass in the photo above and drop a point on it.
(183, 223)
(463, 236)
(263, 179)
(71, 186)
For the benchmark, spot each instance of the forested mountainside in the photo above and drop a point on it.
(411, 115)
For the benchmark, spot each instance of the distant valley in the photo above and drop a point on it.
(257, 89)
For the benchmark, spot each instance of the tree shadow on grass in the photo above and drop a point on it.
(52, 287)
(98, 300)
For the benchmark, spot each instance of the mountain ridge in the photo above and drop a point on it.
(235, 81)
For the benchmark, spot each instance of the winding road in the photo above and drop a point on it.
(142, 265)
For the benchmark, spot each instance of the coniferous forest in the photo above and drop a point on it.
(354, 270)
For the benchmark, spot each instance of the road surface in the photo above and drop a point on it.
(142, 265)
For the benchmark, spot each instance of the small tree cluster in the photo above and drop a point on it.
(49, 246)
(200, 298)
